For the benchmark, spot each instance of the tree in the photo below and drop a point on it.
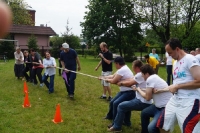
(20, 12)
(70, 38)
(112, 21)
(164, 15)
(32, 42)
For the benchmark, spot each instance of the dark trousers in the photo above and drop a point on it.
(71, 83)
(60, 65)
(28, 77)
(169, 74)
(38, 72)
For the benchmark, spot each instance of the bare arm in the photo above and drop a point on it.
(104, 59)
(78, 62)
(115, 79)
(147, 94)
(127, 83)
(100, 62)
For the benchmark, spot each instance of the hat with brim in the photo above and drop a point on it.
(65, 45)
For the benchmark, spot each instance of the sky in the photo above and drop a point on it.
(55, 14)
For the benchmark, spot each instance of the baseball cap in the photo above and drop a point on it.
(65, 45)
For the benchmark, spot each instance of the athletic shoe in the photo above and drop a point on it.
(109, 126)
(41, 85)
(109, 98)
(102, 97)
(112, 129)
(71, 96)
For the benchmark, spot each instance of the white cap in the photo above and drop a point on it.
(65, 45)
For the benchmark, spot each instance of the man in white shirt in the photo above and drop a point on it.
(49, 64)
(169, 63)
(138, 103)
(126, 93)
(184, 106)
(197, 53)
(153, 82)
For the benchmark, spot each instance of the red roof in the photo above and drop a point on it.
(36, 30)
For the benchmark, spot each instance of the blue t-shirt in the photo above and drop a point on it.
(69, 58)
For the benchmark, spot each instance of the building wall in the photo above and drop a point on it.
(42, 41)
(32, 13)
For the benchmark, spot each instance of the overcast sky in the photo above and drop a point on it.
(55, 13)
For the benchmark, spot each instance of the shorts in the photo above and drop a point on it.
(103, 82)
(185, 111)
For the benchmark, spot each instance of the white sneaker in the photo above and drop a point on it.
(41, 85)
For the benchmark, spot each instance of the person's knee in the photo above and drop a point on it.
(153, 129)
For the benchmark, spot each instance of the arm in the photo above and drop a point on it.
(100, 62)
(195, 71)
(147, 94)
(115, 79)
(78, 62)
(127, 83)
(104, 59)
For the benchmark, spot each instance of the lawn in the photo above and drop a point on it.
(82, 115)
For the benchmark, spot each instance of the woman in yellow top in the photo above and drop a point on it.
(152, 62)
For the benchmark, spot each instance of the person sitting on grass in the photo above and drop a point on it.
(138, 103)
(126, 93)
(156, 89)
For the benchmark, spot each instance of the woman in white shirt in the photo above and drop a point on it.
(49, 64)
(19, 63)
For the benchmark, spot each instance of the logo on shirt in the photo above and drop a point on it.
(147, 83)
(194, 61)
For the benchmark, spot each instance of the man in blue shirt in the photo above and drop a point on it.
(69, 61)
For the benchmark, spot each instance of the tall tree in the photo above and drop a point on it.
(20, 12)
(164, 15)
(113, 22)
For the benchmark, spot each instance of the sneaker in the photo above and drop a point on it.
(41, 85)
(102, 97)
(109, 98)
(112, 129)
(109, 126)
(71, 96)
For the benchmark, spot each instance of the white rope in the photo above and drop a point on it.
(79, 73)
(72, 71)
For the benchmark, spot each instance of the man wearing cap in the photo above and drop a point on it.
(69, 61)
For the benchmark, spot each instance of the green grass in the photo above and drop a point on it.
(82, 115)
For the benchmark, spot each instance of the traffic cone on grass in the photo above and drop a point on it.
(57, 117)
(26, 101)
(25, 87)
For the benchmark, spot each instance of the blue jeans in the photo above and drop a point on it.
(146, 114)
(49, 85)
(169, 74)
(124, 112)
(71, 83)
(120, 97)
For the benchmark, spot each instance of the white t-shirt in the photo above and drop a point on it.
(49, 62)
(169, 59)
(181, 75)
(198, 57)
(160, 99)
(142, 84)
(126, 73)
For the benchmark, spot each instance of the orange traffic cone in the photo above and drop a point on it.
(26, 101)
(25, 87)
(57, 117)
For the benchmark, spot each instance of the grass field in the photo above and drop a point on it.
(82, 115)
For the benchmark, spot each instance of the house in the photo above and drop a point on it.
(21, 33)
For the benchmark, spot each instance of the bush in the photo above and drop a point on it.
(130, 58)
